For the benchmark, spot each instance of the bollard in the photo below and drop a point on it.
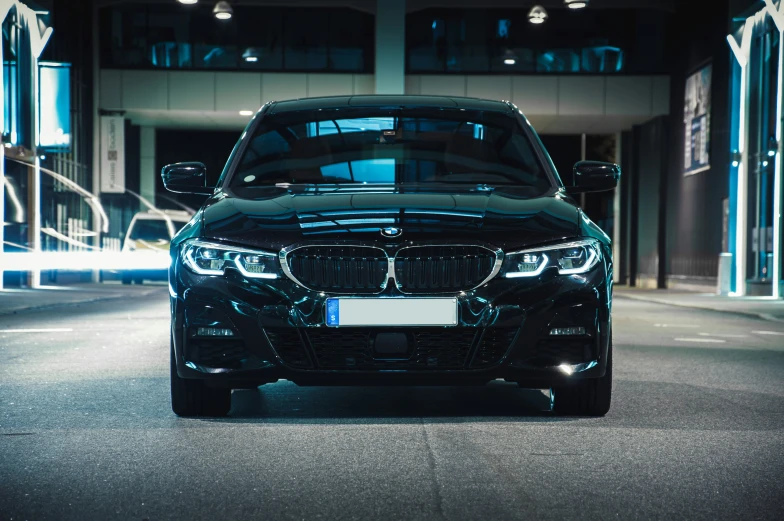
(724, 279)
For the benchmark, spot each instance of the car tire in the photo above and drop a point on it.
(127, 279)
(191, 397)
(589, 397)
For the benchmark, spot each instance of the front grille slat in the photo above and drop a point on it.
(342, 269)
(422, 269)
(418, 269)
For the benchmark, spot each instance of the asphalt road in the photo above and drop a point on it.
(86, 432)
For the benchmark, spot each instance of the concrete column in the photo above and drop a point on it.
(617, 215)
(4, 6)
(34, 190)
(778, 186)
(390, 46)
(96, 166)
(583, 152)
(147, 171)
(34, 218)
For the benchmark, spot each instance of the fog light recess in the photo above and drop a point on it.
(213, 331)
(567, 331)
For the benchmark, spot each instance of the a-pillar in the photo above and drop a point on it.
(147, 172)
(390, 46)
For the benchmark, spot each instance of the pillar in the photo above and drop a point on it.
(147, 171)
(778, 185)
(616, 238)
(96, 123)
(390, 46)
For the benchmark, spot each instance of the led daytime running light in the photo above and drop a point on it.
(590, 246)
(231, 257)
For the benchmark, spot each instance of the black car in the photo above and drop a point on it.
(374, 240)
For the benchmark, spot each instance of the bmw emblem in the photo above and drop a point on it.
(391, 232)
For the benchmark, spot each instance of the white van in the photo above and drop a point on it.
(151, 230)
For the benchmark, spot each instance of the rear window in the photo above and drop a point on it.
(389, 146)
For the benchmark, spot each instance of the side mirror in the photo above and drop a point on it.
(186, 178)
(594, 176)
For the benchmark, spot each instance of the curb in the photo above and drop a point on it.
(761, 316)
(71, 303)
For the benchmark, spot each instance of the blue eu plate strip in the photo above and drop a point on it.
(333, 312)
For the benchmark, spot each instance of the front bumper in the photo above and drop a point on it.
(279, 331)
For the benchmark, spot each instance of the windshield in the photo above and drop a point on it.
(389, 146)
(150, 230)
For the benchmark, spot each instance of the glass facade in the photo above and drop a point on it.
(255, 38)
(763, 69)
(756, 158)
(600, 41)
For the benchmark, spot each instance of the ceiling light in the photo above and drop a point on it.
(537, 15)
(510, 58)
(246, 113)
(223, 10)
(188, 2)
(251, 54)
(576, 4)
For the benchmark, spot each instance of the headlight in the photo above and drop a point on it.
(207, 258)
(570, 258)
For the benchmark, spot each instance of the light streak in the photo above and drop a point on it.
(84, 260)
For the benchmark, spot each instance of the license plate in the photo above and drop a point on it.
(391, 312)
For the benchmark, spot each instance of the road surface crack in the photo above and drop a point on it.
(431, 463)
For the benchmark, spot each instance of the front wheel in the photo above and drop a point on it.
(589, 397)
(193, 398)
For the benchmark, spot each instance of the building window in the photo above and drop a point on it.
(255, 38)
(502, 41)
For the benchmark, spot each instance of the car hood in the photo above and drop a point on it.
(282, 217)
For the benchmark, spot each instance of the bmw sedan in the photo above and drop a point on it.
(388, 240)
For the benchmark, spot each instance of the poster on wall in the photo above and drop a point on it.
(696, 121)
(112, 154)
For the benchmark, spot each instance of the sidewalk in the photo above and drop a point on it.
(765, 308)
(14, 300)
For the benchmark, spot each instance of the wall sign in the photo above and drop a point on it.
(112, 154)
(54, 116)
(696, 121)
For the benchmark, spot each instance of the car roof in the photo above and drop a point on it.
(385, 100)
(174, 215)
